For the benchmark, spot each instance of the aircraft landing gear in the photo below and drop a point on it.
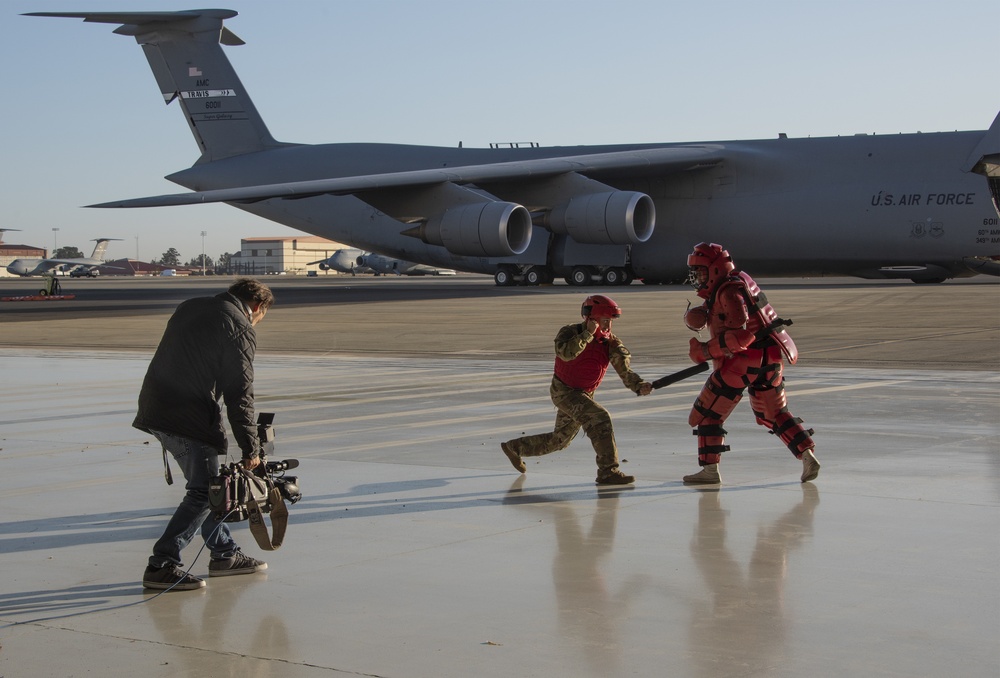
(537, 275)
(616, 276)
(505, 275)
(580, 276)
(512, 274)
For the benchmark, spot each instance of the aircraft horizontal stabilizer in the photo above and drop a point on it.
(139, 18)
(132, 21)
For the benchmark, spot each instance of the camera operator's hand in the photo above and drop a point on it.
(250, 463)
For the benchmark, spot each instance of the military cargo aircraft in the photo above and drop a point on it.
(356, 261)
(77, 267)
(916, 206)
(343, 261)
(384, 265)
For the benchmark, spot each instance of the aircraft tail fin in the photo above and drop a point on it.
(985, 160)
(100, 248)
(183, 50)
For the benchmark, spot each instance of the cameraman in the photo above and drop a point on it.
(206, 354)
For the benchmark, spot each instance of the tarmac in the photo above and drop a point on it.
(417, 551)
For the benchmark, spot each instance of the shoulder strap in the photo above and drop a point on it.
(279, 515)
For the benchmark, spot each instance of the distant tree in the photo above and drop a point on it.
(196, 262)
(170, 258)
(67, 253)
(222, 265)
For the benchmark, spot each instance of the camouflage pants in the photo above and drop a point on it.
(576, 409)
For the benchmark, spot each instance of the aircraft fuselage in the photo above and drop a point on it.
(824, 206)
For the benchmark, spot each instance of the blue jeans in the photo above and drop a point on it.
(199, 463)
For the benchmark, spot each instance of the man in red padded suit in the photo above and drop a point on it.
(748, 346)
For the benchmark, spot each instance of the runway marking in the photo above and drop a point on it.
(949, 334)
(849, 387)
(41, 490)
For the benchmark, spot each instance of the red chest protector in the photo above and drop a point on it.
(585, 371)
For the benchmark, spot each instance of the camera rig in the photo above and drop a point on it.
(238, 494)
(275, 470)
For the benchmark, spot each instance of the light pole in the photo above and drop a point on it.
(55, 241)
(203, 234)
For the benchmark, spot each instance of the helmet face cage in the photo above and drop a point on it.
(694, 279)
(599, 306)
(714, 259)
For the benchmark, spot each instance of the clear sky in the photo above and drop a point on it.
(83, 121)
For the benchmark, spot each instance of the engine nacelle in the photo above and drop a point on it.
(485, 229)
(614, 218)
(376, 262)
(323, 266)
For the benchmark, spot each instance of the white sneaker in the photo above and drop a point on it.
(810, 466)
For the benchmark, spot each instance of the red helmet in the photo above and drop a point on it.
(713, 259)
(599, 306)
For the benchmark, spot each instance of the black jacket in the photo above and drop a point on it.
(206, 354)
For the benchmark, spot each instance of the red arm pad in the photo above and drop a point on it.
(738, 341)
(698, 352)
(730, 343)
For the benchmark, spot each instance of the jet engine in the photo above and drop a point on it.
(614, 218)
(378, 263)
(482, 229)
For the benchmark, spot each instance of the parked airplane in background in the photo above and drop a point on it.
(903, 206)
(343, 261)
(356, 261)
(78, 267)
(386, 265)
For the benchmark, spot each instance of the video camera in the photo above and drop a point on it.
(231, 492)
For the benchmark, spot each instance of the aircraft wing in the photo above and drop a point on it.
(673, 159)
(71, 262)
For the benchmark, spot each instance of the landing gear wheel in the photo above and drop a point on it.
(503, 277)
(614, 276)
(580, 276)
(536, 275)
